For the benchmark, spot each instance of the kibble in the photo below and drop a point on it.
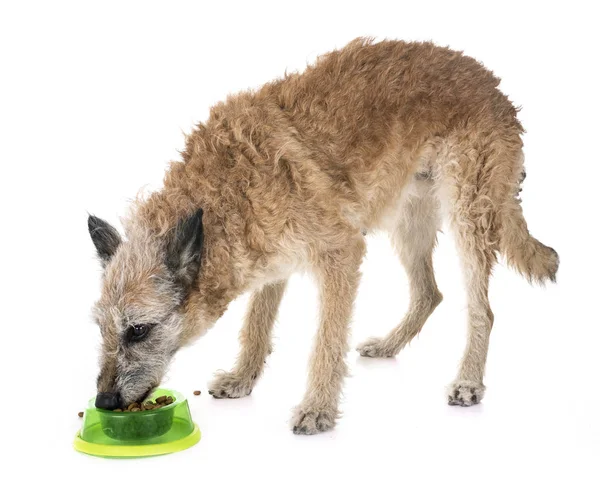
(197, 392)
(160, 402)
(80, 414)
(134, 424)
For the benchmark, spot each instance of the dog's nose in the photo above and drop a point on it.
(108, 401)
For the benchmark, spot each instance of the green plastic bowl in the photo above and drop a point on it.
(138, 434)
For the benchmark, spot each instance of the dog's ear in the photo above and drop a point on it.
(105, 238)
(184, 249)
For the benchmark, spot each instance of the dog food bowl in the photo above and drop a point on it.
(138, 434)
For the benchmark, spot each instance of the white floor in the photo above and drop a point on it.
(94, 100)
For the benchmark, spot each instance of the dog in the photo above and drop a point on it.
(391, 135)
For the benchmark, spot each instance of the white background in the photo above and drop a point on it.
(94, 98)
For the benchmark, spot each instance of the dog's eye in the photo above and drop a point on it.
(137, 332)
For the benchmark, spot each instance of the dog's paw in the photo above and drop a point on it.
(465, 393)
(231, 385)
(375, 348)
(309, 421)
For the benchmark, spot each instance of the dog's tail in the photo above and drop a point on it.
(532, 259)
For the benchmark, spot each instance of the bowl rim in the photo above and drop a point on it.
(179, 399)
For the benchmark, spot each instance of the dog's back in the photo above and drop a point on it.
(343, 140)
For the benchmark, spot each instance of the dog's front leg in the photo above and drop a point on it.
(255, 341)
(338, 274)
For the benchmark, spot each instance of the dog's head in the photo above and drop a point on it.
(146, 281)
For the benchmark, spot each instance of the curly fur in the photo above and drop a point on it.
(389, 135)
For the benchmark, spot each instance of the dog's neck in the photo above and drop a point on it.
(206, 179)
(217, 285)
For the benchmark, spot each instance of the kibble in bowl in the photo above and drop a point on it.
(149, 419)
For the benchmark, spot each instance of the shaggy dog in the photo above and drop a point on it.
(390, 136)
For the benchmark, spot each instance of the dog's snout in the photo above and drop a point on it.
(108, 401)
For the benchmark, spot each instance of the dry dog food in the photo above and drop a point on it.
(154, 424)
(197, 392)
(147, 405)
(160, 402)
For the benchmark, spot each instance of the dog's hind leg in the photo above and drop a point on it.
(475, 183)
(255, 341)
(414, 239)
(478, 260)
